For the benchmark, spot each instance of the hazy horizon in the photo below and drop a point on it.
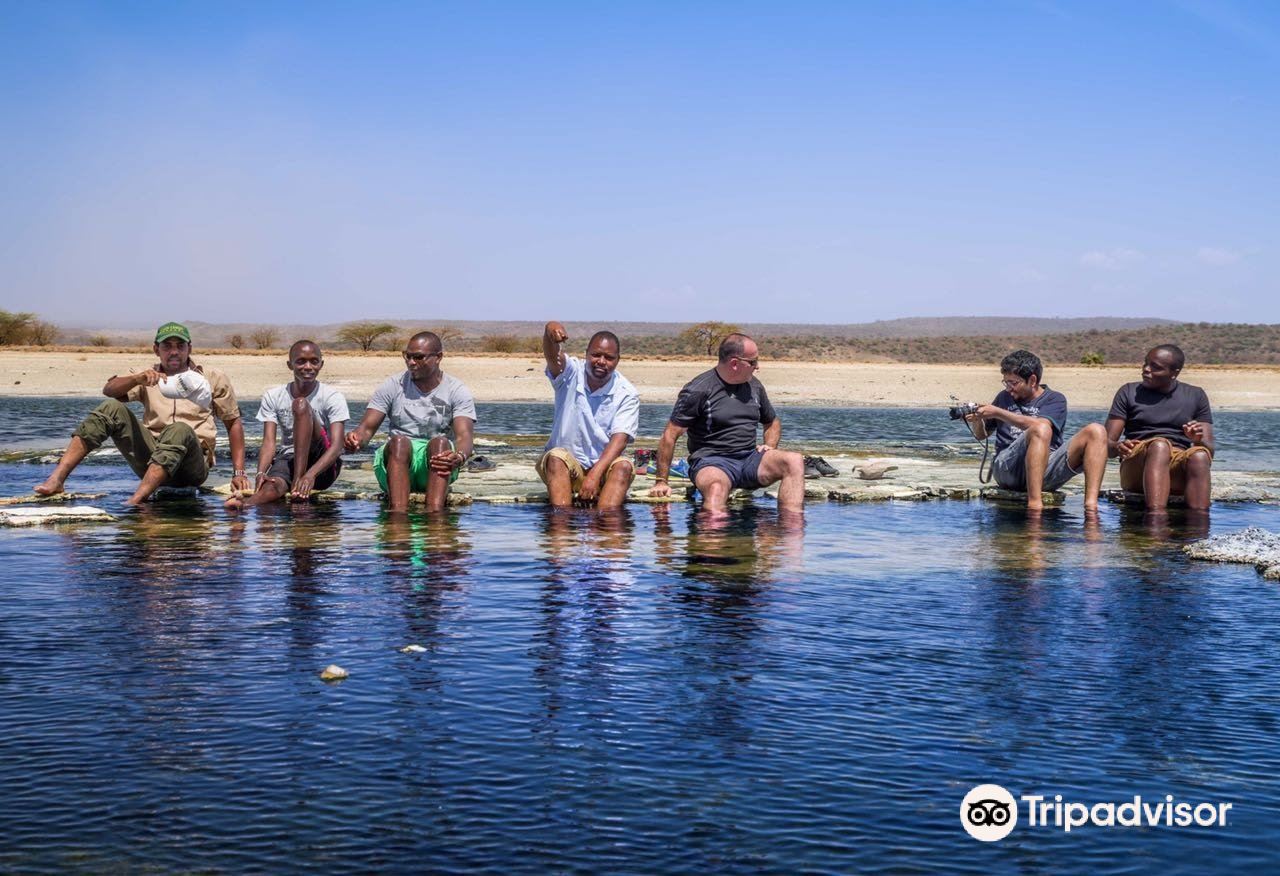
(819, 163)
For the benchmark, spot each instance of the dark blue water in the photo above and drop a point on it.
(1246, 441)
(646, 693)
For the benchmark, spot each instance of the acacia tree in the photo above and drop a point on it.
(42, 334)
(264, 338)
(364, 334)
(14, 327)
(708, 334)
(236, 341)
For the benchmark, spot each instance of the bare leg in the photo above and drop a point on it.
(1155, 475)
(271, 490)
(396, 459)
(1036, 461)
(1089, 449)
(616, 484)
(713, 484)
(153, 480)
(788, 467)
(304, 426)
(1198, 488)
(559, 484)
(75, 453)
(437, 483)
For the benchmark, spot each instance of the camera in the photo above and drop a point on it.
(960, 410)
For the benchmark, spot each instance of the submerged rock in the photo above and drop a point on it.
(1253, 545)
(43, 516)
(333, 672)
(998, 494)
(37, 499)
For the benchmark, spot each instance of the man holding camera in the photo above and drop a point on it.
(1028, 418)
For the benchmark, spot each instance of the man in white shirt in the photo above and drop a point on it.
(597, 415)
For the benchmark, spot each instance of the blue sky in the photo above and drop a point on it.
(795, 162)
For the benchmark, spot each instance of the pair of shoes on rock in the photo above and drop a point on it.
(481, 463)
(817, 467)
(645, 461)
(680, 468)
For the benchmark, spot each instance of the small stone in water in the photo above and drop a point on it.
(333, 672)
(413, 649)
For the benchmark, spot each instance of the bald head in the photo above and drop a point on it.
(430, 339)
(734, 345)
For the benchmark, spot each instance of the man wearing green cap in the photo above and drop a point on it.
(173, 445)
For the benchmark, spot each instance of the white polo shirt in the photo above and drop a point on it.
(585, 420)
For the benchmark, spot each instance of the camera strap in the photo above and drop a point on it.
(986, 452)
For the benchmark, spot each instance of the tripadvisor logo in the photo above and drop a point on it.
(989, 813)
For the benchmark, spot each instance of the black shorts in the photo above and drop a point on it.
(282, 467)
(743, 469)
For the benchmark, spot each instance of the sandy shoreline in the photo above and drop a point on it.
(520, 379)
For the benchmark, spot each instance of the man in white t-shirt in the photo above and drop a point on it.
(597, 415)
(431, 417)
(302, 426)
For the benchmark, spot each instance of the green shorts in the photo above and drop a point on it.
(419, 466)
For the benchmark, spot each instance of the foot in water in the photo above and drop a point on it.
(51, 487)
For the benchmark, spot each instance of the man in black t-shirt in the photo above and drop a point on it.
(1167, 428)
(720, 409)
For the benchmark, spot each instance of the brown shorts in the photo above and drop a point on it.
(1133, 465)
(577, 474)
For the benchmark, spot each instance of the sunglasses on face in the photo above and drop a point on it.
(754, 363)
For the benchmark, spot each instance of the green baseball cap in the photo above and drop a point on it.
(173, 330)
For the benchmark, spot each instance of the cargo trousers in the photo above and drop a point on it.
(176, 449)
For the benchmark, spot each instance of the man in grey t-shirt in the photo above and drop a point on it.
(431, 417)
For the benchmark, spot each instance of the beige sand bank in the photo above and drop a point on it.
(520, 378)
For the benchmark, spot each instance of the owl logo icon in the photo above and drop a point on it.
(988, 813)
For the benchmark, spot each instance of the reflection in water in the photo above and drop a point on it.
(727, 565)
(587, 570)
(749, 547)
(1068, 602)
(427, 560)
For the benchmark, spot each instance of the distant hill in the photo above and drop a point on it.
(945, 340)
(1204, 343)
(214, 334)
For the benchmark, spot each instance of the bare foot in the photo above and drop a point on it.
(1091, 506)
(1035, 506)
(235, 503)
(51, 487)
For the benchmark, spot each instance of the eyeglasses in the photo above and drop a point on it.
(1010, 384)
(754, 363)
(420, 357)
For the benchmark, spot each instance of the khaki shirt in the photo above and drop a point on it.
(159, 411)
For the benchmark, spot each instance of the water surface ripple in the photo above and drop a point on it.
(639, 693)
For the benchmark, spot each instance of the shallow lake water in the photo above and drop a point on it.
(646, 692)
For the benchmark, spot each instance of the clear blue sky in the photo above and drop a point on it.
(807, 162)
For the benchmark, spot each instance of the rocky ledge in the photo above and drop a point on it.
(1254, 545)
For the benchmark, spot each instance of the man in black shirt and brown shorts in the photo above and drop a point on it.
(720, 409)
(1162, 430)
